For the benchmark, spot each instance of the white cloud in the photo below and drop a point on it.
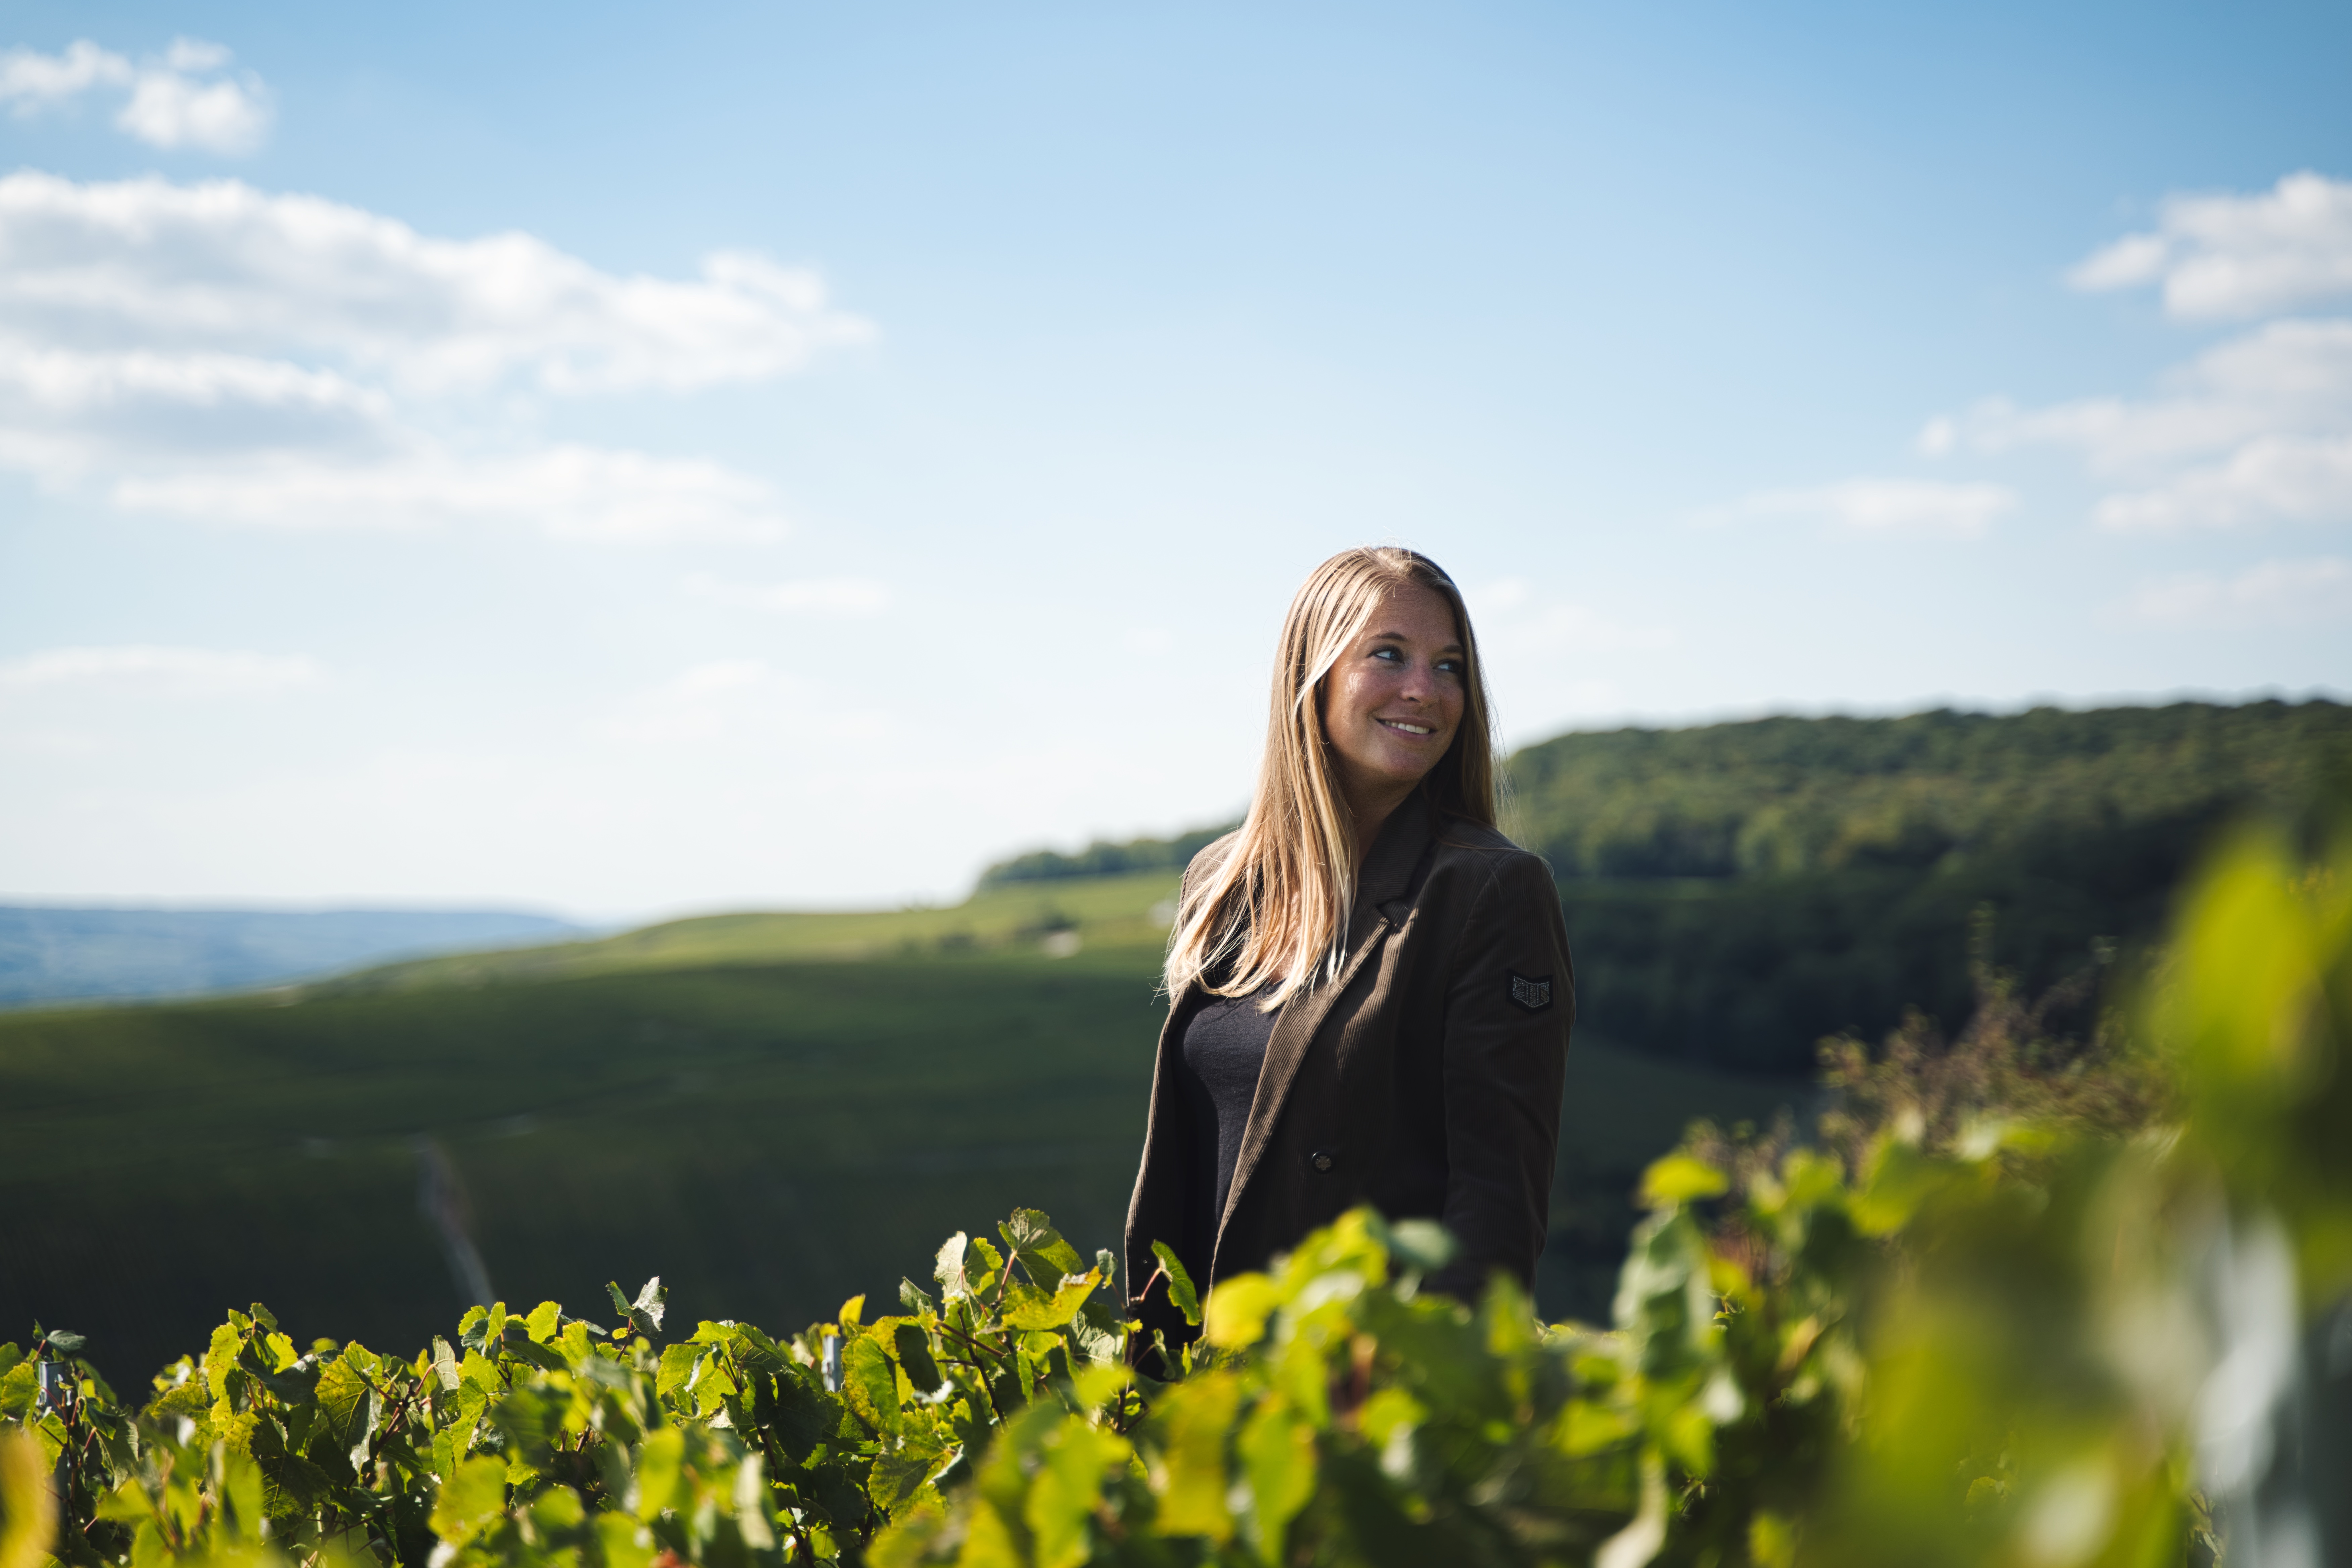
(832, 597)
(2284, 377)
(167, 110)
(2284, 477)
(65, 412)
(1908, 507)
(223, 353)
(182, 100)
(2274, 593)
(2232, 256)
(31, 81)
(2255, 429)
(569, 491)
(223, 267)
(235, 439)
(185, 672)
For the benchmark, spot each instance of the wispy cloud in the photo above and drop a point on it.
(567, 491)
(1513, 614)
(2284, 377)
(184, 97)
(2257, 428)
(739, 702)
(831, 597)
(1890, 507)
(183, 671)
(2282, 477)
(221, 352)
(2237, 255)
(223, 267)
(2274, 593)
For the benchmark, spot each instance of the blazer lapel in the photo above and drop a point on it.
(1387, 872)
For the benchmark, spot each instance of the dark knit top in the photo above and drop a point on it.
(1224, 1047)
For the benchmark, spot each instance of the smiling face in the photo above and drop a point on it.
(1392, 702)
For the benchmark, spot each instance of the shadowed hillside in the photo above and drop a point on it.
(1736, 891)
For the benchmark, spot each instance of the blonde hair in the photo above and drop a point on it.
(1274, 910)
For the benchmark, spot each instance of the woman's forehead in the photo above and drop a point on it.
(1412, 610)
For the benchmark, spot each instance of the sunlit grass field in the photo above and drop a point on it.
(1121, 919)
(772, 1112)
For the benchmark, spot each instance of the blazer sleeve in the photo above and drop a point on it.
(1510, 1003)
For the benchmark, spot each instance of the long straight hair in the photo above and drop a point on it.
(1274, 912)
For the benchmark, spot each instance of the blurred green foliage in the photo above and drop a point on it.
(546, 1438)
(2257, 1008)
(1971, 1323)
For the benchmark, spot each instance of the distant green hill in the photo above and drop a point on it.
(1735, 891)
(1119, 913)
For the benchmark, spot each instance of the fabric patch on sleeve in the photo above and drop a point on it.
(1534, 994)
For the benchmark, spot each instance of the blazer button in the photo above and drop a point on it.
(1320, 1159)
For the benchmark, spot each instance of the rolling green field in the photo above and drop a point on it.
(772, 1112)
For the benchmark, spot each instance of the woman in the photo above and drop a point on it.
(1369, 985)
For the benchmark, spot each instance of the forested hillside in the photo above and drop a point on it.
(1736, 891)
(1784, 796)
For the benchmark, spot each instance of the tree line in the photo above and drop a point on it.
(1736, 891)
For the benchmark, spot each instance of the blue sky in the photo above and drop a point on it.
(428, 517)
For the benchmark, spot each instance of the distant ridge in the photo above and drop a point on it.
(59, 954)
(1778, 797)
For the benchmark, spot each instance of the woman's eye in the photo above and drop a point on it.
(1392, 655)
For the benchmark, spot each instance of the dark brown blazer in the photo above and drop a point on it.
(1424, 1081)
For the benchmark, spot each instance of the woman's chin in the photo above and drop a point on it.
(1403, 773)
